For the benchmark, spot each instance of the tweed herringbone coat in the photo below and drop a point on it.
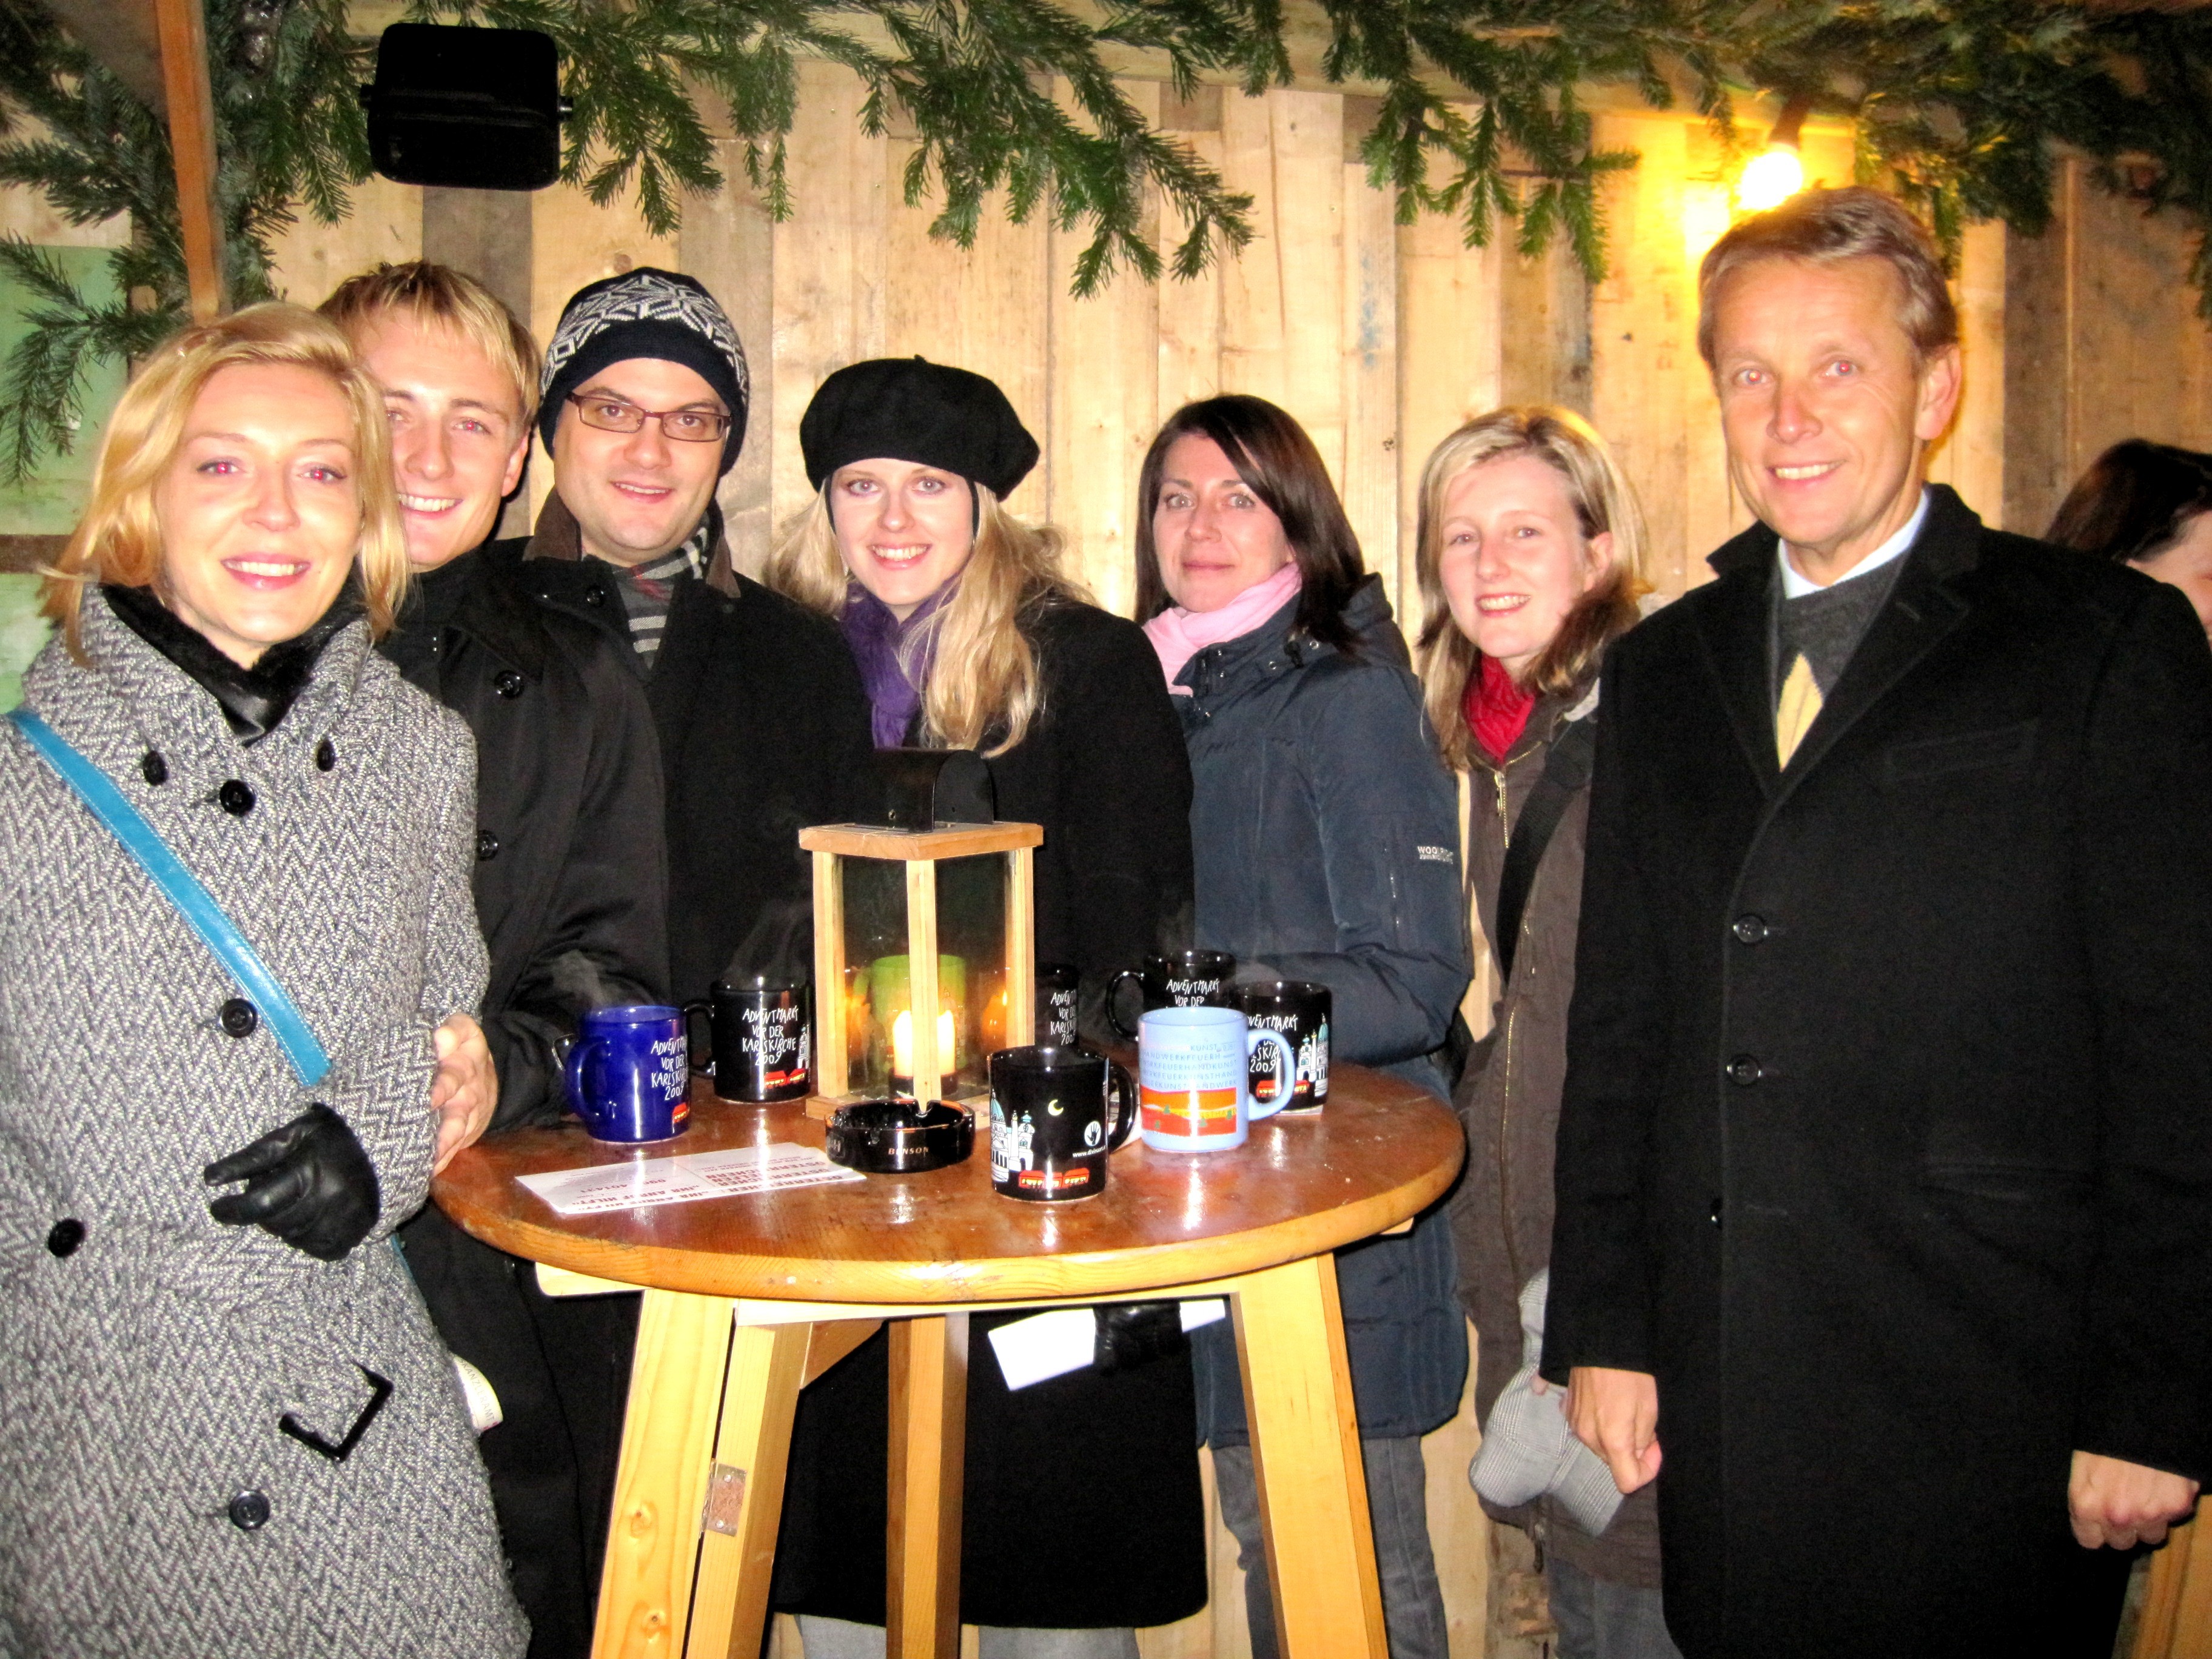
(148, 1353)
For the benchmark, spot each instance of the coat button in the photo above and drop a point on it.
(238, 1016)
(153, 768)
(1750, 930)
(249, 1511)
(237, 798)
(1745, 1070)
(508, 683)
(1714, 1215)
(68, 1233)
(487, 845)
(595, 594)
(325, 756)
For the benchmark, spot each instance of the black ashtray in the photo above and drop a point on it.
(899, 1137)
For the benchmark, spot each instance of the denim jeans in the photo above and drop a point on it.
(1398, 1508)
(1601, 1620)
(839, 1638)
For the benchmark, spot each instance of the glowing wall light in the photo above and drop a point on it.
(1772, 178)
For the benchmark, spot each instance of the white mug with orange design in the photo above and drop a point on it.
(1194, 1070)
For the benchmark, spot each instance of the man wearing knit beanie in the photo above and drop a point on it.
(762, 723)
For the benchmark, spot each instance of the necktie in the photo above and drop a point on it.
(1800, 706)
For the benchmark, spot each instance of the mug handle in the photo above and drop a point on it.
(1114, 991)
(693, 1010)
(1289, 1072)
(1120, 1085)
(578, 1054)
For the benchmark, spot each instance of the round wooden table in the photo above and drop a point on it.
(747, 1299)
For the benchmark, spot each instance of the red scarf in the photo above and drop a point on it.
(1495, 708)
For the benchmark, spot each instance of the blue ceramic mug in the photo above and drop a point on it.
(629, 1072)
(1193, 1075)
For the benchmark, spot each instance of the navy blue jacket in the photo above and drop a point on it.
(1325, 835)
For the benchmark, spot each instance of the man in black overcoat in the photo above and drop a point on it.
(1885, 1163)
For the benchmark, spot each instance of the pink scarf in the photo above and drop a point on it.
(1178, 634)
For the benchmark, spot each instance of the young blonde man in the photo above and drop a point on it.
(570, 889)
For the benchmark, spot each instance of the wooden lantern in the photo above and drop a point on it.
(924, 958)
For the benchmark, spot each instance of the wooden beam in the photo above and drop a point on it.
(183, 29)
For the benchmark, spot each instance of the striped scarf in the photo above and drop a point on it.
(648, 590)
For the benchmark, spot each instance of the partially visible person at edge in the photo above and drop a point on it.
(1884, 1181)
(762, 724)
(1530, 554)
(569, 885)
(2150, 506)
(228, 1427)
(1322, 828)
(968, 636)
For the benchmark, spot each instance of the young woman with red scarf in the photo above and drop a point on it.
(1529, 547)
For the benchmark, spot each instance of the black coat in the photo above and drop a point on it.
(1104, 768)
(763, 730)
(1886, 1139)
(1083, 1505)
(570, 885)
(571, 881)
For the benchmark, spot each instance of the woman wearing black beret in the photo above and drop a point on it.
(1083, 1515)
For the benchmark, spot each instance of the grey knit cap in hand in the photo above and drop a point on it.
(1528, 1450)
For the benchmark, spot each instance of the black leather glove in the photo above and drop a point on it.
(1132, 1333)
(309, 1183)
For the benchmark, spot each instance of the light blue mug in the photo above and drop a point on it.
(1193, 1076)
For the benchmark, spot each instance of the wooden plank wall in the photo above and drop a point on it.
(2103, 343)
(1381, 337)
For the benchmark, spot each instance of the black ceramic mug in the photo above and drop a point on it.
(1299, 1010)
(1056, 986)
(1187, 978)
(762, 1041)
(1055, 1114)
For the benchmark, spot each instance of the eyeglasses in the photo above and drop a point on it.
(688, 426)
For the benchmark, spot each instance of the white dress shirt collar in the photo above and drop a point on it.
(1795, 587)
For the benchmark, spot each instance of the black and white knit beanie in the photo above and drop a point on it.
(646, 312)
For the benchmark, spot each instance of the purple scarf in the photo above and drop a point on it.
(894, 657)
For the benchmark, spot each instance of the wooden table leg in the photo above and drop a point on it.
(1305, 1452)
(653, 1546)
(745, 1490)
(929, 1438)
(2176, 1614)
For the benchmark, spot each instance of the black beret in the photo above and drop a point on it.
(908, 408)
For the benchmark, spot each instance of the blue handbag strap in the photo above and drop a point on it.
(193, 902)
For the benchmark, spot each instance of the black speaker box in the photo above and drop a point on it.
(465, 108)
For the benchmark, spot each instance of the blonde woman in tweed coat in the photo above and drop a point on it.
(200, 1310)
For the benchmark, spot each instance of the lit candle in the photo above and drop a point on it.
(903, 1044)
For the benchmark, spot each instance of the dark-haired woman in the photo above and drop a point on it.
(1322, 829)
(1529, 553)
(1083, 1514)
(2150, 506)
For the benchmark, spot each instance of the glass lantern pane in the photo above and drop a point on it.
(875, 930)
(971, 927)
